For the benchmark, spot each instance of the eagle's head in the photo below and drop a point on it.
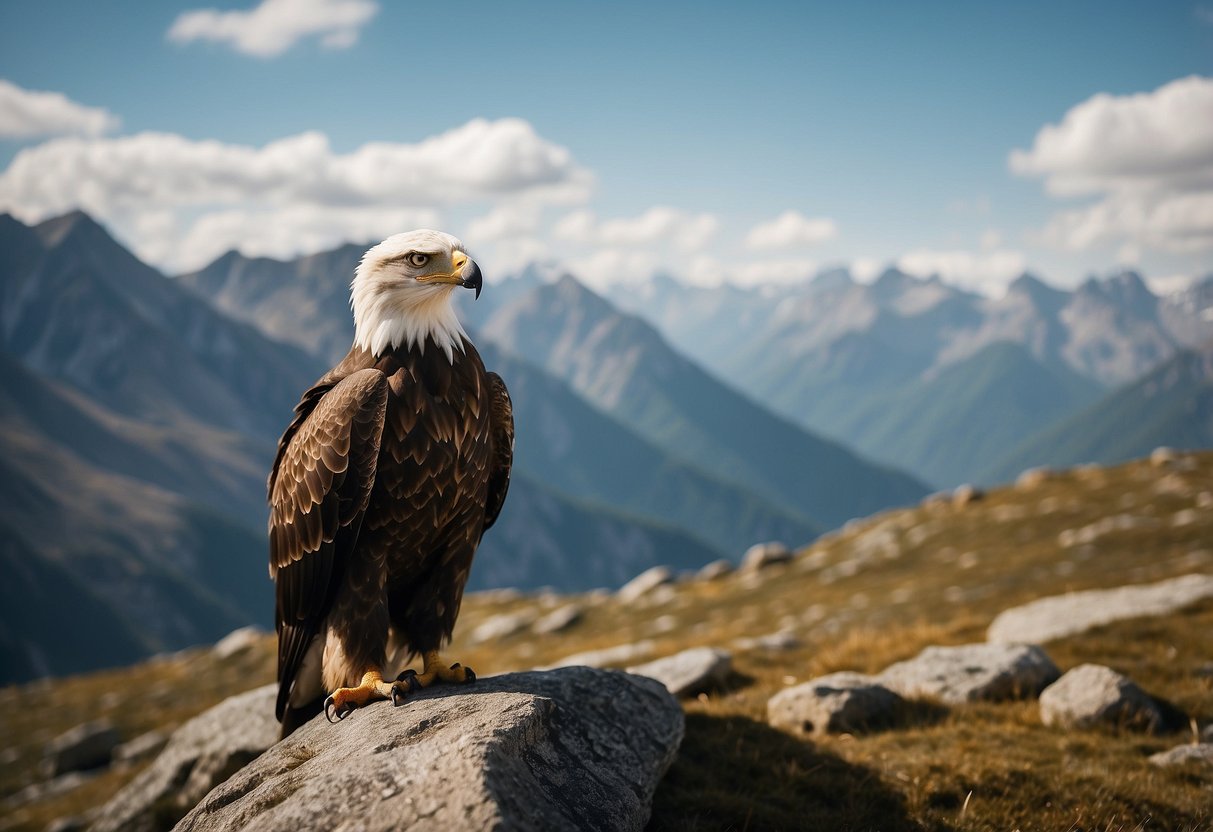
(401, 292)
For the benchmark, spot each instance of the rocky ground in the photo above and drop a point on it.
(877, 679)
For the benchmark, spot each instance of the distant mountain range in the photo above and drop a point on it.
(897, 367)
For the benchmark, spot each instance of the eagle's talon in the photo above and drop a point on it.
(328, 703)
(469, 675)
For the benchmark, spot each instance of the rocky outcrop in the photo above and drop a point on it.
(762, 555)
(575, 748)
(645, 583)
(971, 672)
(689, 672)
(838, 703)
(1092, 695)
(200, 755)
(1066, 615)
(87, 746)
(1183, 754)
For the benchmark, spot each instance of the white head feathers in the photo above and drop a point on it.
(392, 308)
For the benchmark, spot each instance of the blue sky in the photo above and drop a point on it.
(894, 122)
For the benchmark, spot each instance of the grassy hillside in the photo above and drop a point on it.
(876, 592)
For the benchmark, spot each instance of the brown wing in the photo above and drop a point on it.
(318, 491)
(501, 412)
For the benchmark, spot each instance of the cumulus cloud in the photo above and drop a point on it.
(27, 114)
(659, 226)
(255, 198)
(507, 221)
(1149, 159)
(274, 26)
(988, 272)
(791, 229)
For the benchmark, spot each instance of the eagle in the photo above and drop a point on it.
(396, 463)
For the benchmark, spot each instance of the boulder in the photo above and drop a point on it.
(962, 495)
(775, 642)
(689, 672)
(571, 749)
(500, 626)
(762, 555)
(1033, 477)
(606, 656)
(714, 570)
(838, 703)
(558, 620)
(1092, 695)
(644, 583)
(1181, 754)
(141, 747)
(237, 642)
(87, 746)
(971, 672)
(200, 755)
(1059, 616)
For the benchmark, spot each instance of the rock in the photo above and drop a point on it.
(54, 787)
(644, 583)
(1162, 456)
(1065, 615)
(569, 749)
(1091, 695)
(141, 747)
(689, 672)
(762, 555)
(1032, 478)
(1181, 754)
(965, 494)
(88, 745)
(835, 704)
(972, 672)
(619, 654)
(714, 570)
(558, 620)
(775, 642)
(200, 755)
(237, 642)
(500, 626)
(1206, 734)
(71, 823)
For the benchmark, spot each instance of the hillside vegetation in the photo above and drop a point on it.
(876, 592)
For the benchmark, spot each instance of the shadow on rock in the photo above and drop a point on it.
(736, 773)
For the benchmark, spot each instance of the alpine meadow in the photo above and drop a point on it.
(681, 416)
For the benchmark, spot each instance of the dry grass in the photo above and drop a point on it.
(877, 592)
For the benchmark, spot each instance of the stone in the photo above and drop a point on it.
(776, 642)
(237, 642)
(87, 746)
(141, 747)
(715, 570)
(200, 755)
(689, 672)
(606, 656)
(1162, 456)
(840, 703)
(1182, 754)
(501, 626)
(644, 583)
(1059, 616)
(558, 620)
(571, 749)
(1032, 478)
(972, 672)
(965, 494)
(762, 555)
(1092, 695)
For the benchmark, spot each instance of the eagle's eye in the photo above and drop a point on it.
(417, 259)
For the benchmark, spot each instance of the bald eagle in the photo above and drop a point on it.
(396, 462)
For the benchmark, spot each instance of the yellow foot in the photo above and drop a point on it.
(344, 701)
(436, 670)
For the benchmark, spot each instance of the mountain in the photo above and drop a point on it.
(623, 366)
(561, 440)
(1171, 405)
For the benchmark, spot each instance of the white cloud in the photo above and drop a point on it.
(26, 114)
(256, 198)
(791, 229)
(987, 273)
(1149, 159)
(274, 26)
(866, 269)
(991, 238)
(508, 221)
(659, 226)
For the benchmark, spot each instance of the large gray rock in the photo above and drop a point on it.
(838, 703)
(571, 749)
(87, 746)
(1059, 616)
(762, 555)
(689, 672)
(645, 583)
(1091, 695)
(558, 620)
(1181, 754)
(200, 755)
(972, 672)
